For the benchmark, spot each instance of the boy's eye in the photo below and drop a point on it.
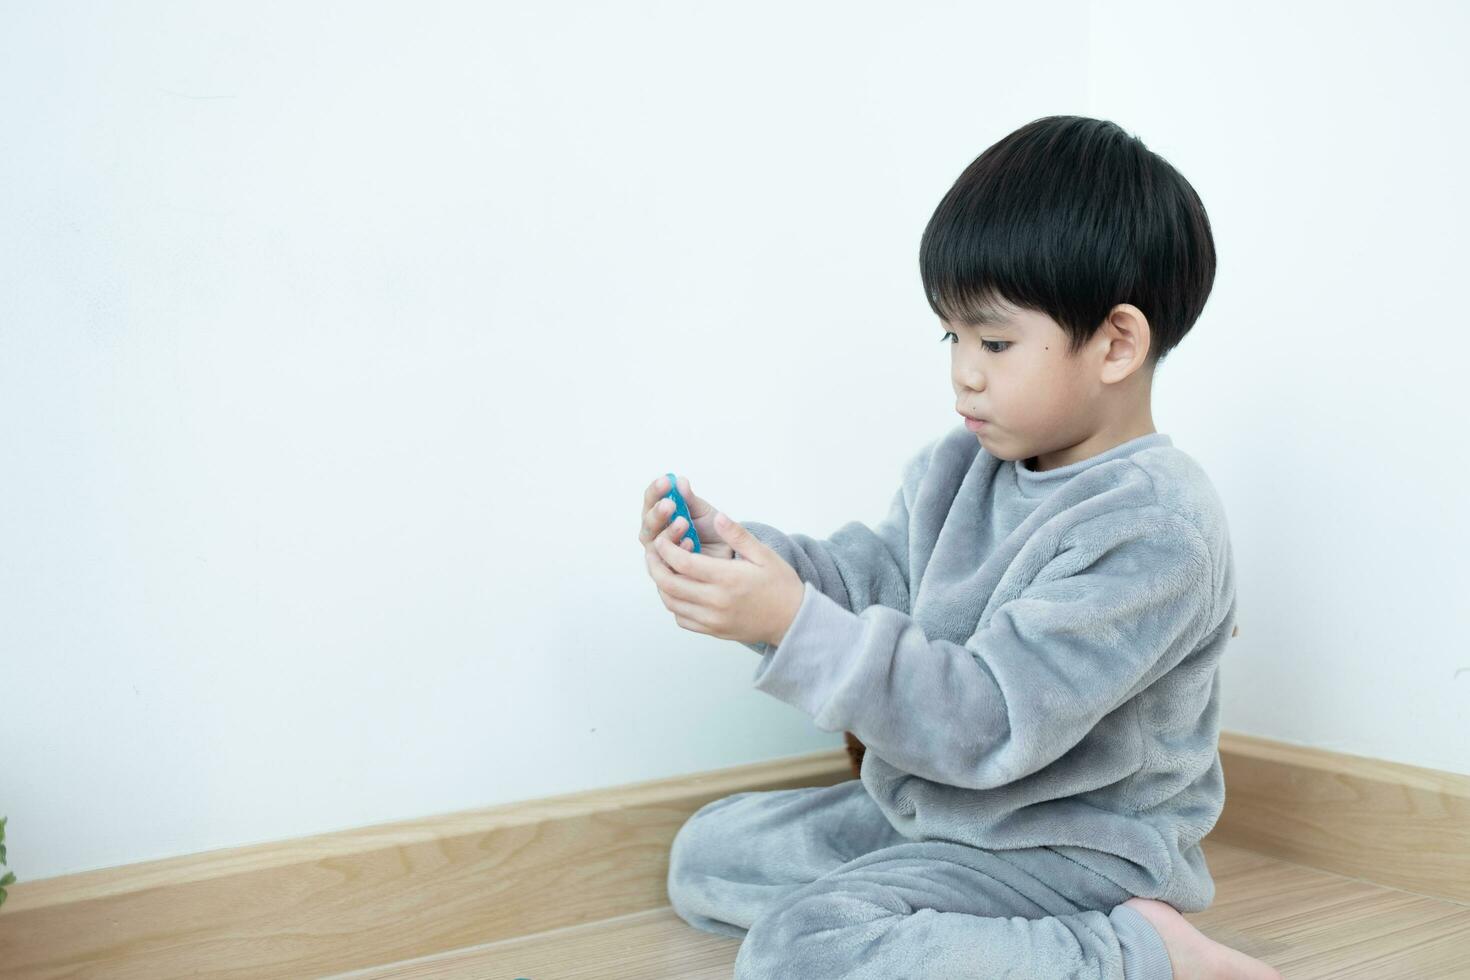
(1002, 344)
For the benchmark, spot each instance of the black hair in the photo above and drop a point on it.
(1070, 216)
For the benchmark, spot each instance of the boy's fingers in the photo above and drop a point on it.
(651, 495)
(678, 537)
(651, 498)
(657, 560)
(655, 523)
(658, 516)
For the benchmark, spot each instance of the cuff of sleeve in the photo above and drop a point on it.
(814, 659)
(1144, 955)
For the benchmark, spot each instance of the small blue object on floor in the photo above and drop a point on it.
(681, 509)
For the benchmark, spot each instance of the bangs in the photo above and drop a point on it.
(997, 246)
(973, 306)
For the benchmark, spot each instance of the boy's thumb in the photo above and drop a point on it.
(734, 534)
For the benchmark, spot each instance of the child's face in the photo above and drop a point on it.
(1016, 374)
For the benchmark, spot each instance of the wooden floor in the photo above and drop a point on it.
(1309, 924)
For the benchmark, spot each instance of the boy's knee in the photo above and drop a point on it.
(693, 844)
(690, 836)
(679, 858)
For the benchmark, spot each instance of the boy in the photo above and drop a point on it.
(1027, 645)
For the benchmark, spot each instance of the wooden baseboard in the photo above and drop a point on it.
(1390, 823)
(337, 902)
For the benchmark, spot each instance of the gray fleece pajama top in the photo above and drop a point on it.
(1030, 659)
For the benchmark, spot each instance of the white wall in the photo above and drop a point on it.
(1328, 142)
(338, 344)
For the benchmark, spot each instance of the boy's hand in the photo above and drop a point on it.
(657, 509)
(749, 601)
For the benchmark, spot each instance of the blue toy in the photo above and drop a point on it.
(681, 509)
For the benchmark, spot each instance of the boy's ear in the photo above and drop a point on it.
(1130, 340)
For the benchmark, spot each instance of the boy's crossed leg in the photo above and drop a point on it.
(819, 884)
(931, 910)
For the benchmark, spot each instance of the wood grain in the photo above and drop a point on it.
(1309, 924)
(1367, 818)
(397, 892)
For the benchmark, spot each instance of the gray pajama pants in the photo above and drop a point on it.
(820, 885)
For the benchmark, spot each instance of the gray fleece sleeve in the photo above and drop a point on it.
(1129, 594)
(857, 566)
